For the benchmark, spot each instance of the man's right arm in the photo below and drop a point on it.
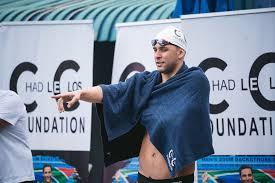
(92, 94)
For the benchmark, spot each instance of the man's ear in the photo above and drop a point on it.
(181, 53)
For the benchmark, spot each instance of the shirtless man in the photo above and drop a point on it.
(169, 50)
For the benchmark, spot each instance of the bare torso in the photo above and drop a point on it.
(152, 164)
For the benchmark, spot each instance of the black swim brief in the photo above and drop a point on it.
(183, 179)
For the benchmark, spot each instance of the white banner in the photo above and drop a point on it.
(40, 59)
(236, 49)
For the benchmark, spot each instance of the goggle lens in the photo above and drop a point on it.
(161, 42)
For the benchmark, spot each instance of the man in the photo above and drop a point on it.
(47, 173)
(16, 157)
(172, 104)
(246, 174)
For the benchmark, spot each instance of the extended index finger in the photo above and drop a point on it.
(64, 96)
(57, 96)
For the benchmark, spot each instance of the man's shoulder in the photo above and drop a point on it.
(145, 74)
(9, 97)
(11, 105)
(197, 72)
(7, 93)
(197, 77)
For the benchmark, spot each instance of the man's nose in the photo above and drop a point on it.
(157, 54)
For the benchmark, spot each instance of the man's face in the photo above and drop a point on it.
(246, 176)
(47, 174)
(167, 58)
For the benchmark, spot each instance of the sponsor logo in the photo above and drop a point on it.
(171, 159)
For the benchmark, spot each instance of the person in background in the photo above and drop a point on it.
(246, 174)
(47, 173)
(205, 177)
(15, 153)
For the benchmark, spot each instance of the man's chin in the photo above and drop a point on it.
(160, 69)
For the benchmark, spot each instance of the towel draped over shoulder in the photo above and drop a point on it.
(175, 113)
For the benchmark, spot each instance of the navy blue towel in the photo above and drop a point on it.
(175, 113)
